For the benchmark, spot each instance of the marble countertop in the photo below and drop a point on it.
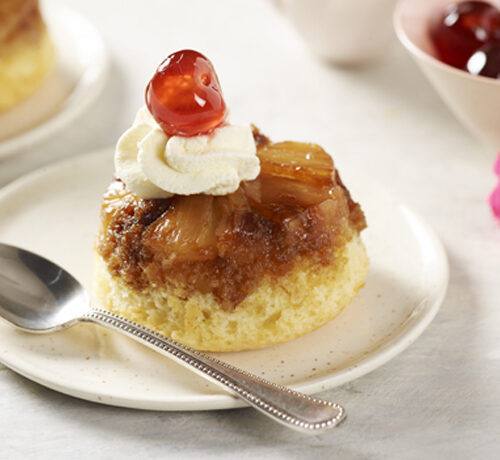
(439, 398)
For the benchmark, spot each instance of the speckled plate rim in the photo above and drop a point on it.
(393, 345)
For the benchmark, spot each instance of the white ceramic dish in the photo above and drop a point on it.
(344, 32)
(54, 212)
(474, 100)
(76, 80)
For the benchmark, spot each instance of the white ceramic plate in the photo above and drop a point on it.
(74, 83)
(54, 212)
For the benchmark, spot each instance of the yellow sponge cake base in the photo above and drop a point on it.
(23, 68)
(277, 311)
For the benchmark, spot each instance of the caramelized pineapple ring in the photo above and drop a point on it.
(225, 245)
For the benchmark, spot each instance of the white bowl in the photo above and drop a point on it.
(474, 100)
(348, 32)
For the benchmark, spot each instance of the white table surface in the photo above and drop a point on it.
(441, 397)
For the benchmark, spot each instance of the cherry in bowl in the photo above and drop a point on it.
(463, 28)
(485, 61)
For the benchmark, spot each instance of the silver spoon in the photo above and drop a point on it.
(36, 295)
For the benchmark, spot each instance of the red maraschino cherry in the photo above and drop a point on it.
(184, 95)
(462, 29)
(486, 61)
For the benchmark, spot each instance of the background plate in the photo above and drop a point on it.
(77, 79)
(54, 212)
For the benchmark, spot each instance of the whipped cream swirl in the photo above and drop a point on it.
(153, 165)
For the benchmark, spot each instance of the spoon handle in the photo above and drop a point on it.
(291, 408)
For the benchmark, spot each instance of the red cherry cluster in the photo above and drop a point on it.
(467, 36)
(184, 95)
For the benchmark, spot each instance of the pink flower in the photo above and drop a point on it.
(495, 195)
(495, 201)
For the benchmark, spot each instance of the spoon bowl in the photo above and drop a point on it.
(36, 295)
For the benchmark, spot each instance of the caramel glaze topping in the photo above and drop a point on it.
(225, 245)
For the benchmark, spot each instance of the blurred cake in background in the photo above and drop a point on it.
(26, 51)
